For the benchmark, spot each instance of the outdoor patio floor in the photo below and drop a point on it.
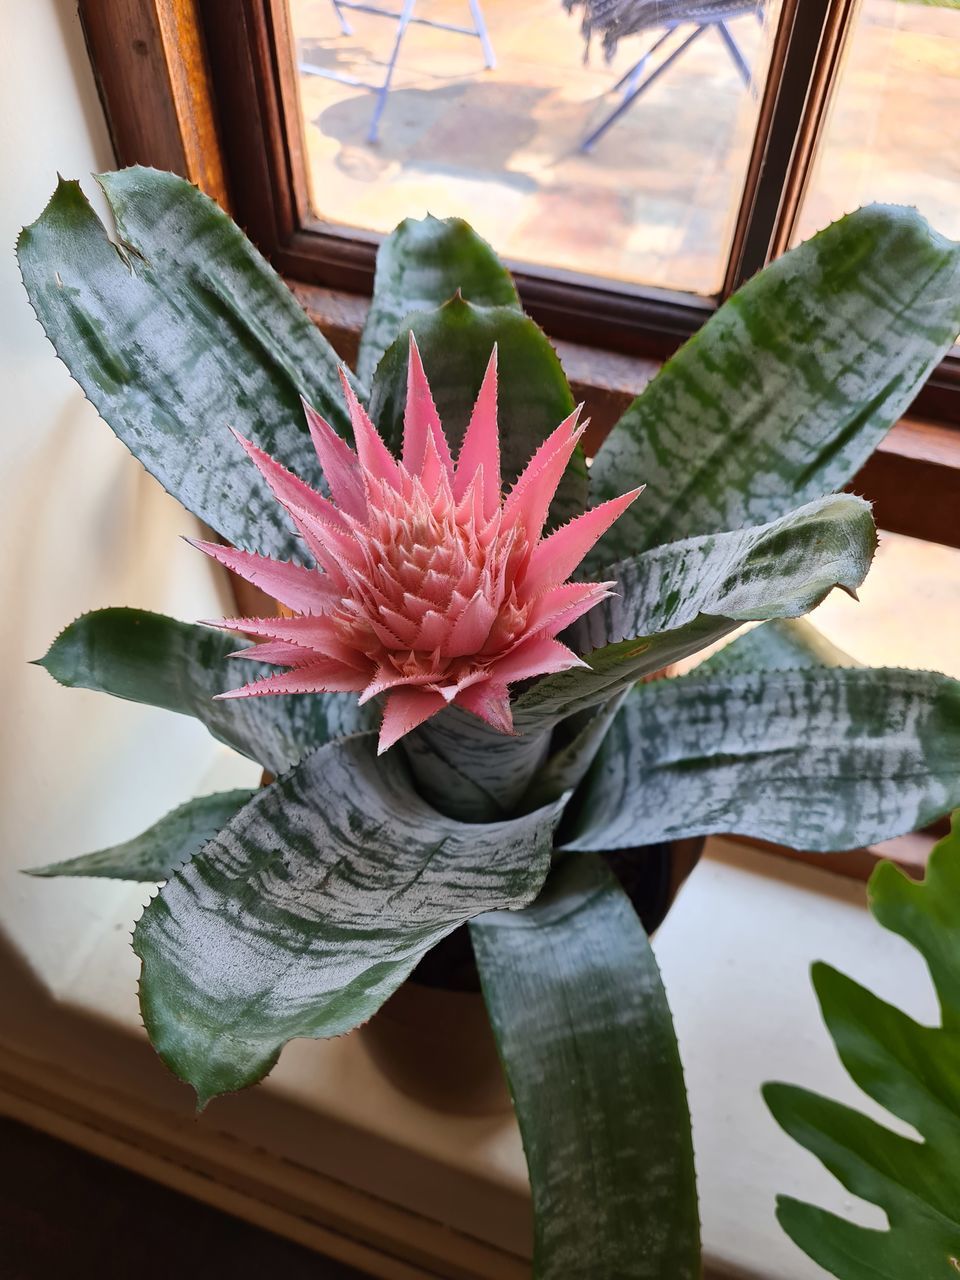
(654, 202)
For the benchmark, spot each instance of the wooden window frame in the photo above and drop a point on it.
(200, 87)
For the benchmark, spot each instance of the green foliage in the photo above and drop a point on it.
(420, 266)
(588, 1045)
(820, 758)
(789, 387)
(145, 657)
(311, 907)
(911, 1070)
(298, 912)
(675, 600)
(158, 852)
(178, 332)
(782, 645)
(471, 770)
(455, 342)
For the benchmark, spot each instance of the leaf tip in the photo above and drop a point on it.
(203, 1099)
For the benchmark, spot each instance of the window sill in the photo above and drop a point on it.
(330, 1153)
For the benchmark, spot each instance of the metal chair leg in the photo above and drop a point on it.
(733, 48)
(480, 26)
(345, 27)
(629, 79)
(628, 99)
(406, 13)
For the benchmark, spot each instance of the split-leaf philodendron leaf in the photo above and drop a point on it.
(789, 387)
(590, 1054)
(312, 906)
(823, 758)
(178, 332)
(146, 657)
(157, 852)
(422, 264)
(913, 1072)
(677, 599)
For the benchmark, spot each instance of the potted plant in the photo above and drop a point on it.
(456, 703)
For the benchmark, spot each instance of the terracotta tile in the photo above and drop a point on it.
(655, 200)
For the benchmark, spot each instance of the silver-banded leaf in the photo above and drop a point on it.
(421, 265)
(178, 332)
(311, 907)
(782, 645)
(157, 852)
(588, 1046)
(820, 758)
(911, 1070)
(570, 761)
(469, 769)
(534, 397)
(675, 600)
(146, 657)
(789, 387)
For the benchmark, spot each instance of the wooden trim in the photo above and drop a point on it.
(151, 68)
(793, 62)
(826, 72)
(913, 480)
(909, 853)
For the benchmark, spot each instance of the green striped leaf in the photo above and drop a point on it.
(789, 387)
(178, 332)
(455, 341)
(591, 1058)
(312, 906)
(677, 599)
(145, 657)
(159, 851)
(566, 768)
(819, 758)
(782, 645)
(469, 769)
(911, 1070)
(421, 265)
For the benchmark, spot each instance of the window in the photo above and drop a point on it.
(626, 245)
(619, 153)
(900, 74)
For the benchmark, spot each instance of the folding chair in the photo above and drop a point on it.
(404, 18)
(628, 17)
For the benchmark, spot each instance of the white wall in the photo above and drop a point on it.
(81, 526)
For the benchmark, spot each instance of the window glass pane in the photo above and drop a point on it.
(909, 609)
(891, 129)
(908, 614)
(652, 201)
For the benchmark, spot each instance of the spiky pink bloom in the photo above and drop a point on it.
(432, 587)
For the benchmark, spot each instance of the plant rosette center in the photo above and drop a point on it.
(431, 586)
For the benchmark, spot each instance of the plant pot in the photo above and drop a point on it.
(432, 1038)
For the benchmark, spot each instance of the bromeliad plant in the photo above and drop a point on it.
(443, 753)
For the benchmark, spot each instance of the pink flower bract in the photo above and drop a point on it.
(431, 587)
